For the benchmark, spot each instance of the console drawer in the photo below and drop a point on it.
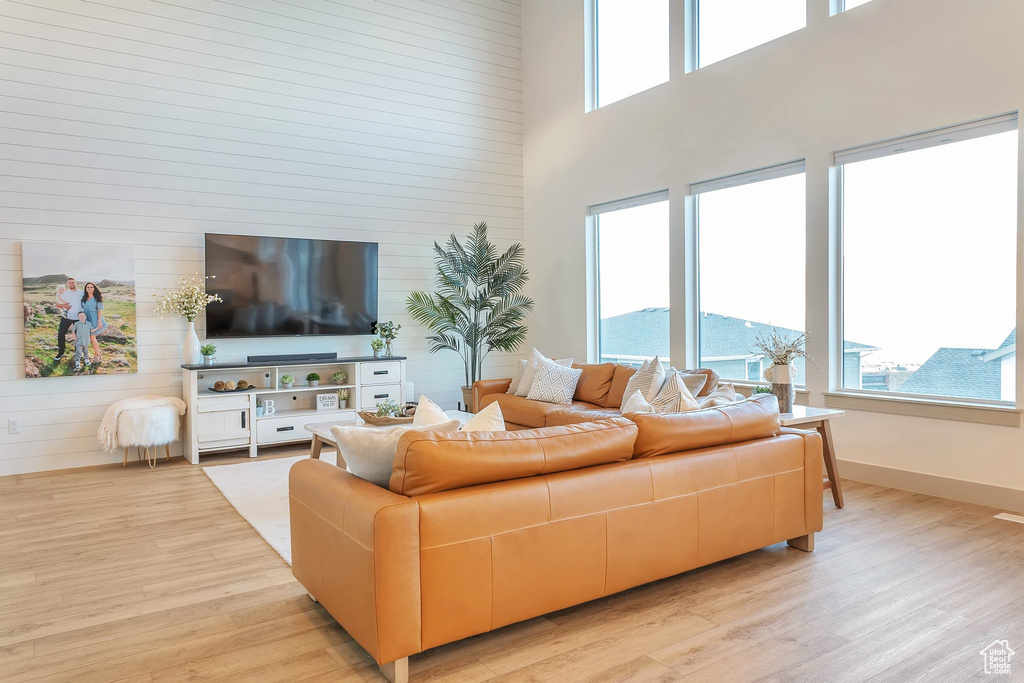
(383, 372)
(282, 429)
(370, 396)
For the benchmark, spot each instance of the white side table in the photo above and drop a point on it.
(806, 417)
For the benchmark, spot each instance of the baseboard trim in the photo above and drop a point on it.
(989, 495)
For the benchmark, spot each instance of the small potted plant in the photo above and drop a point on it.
(259, 406)
(759, 390)
(388, 408)
(209, 352)
(343, 398)
(313, 379)
(782, 351)
(388, 332)
(339, 377)
(287, 381)
(376, 344)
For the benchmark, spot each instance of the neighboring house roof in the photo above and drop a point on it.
(1008, 346)
(956, 372)
(646, 333)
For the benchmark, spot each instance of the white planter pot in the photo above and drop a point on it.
(190, 353)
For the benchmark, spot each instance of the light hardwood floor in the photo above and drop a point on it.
(109, 574)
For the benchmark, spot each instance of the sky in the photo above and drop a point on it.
(82, 261)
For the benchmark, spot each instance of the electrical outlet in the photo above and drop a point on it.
(14, 425)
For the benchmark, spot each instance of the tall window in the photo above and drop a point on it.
(633, 289)
(728, 27)
(750, 242)
(850, 4)
(631, 47)
(929, 228)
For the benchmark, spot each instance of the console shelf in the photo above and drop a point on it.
(221, 421)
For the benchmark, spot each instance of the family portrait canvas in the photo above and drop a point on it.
(79, 309)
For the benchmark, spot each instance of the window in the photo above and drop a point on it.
(750, 246)
(631, 47)
(728, 27)
(850, 4)
(632, 272)
(929, 226)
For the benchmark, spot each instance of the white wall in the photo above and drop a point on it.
(886, 69)
(154, 123)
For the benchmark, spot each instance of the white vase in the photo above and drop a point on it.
(190, 353)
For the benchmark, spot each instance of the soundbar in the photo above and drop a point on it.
(286, 358)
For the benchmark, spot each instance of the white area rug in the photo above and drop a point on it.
(258, 490)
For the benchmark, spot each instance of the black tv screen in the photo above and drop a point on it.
(278, 286)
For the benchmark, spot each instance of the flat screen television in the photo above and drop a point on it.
(283, 286)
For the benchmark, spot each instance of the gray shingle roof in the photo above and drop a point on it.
(646, 333)
(956, 372)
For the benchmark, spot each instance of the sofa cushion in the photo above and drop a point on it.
(576, 414)
(595, 381)
(755, 418)
(620, 379)
(429, 462)
(522, 411)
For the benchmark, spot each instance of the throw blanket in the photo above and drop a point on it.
(107, 435)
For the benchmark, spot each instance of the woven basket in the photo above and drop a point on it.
(371, 418)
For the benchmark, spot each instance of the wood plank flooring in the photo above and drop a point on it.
(111, 574)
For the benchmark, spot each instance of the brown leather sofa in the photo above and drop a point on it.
(599, 390)
(484, 529)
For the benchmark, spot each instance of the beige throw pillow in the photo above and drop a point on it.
(531, 370)
(636, 403)
(694, 381)
(723, 395)
(554, 383)
(369, 452)
(489, 419)
(647, 380)
(675, 396)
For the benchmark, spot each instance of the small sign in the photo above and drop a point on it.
(327, 401)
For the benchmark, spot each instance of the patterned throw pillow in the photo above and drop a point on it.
(531, 369)
(647, 380)
(517, 377)
(675, 396)
(636, 404)
(554, 383)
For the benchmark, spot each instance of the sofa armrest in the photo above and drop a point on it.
(813, 489)
(483, 387)
(356, 549)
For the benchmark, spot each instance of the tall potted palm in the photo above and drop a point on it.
(478, 306)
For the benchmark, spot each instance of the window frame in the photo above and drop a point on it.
(961, 408)
(593, 239)
(765, 173)
(691, 12)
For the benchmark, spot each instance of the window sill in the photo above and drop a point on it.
(939, 409)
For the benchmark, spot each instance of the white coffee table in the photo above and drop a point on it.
(321, 432)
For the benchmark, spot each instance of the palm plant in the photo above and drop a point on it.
(478, 306)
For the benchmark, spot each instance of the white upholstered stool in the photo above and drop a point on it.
(145, 423)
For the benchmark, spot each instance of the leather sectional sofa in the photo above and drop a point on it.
(480, 530)
(599, 391)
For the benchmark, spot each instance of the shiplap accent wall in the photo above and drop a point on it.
(152, 122)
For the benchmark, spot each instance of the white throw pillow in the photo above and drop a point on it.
(369, 452)
(723, 395)
(637, 404)
(675, 396)
(517, 377)
(531, 370)
(489, 419)
(428, 413)
(554, 383)
(648, 380)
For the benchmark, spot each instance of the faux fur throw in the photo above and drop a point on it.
(107, 435)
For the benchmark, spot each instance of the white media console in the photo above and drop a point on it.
(228, 421)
